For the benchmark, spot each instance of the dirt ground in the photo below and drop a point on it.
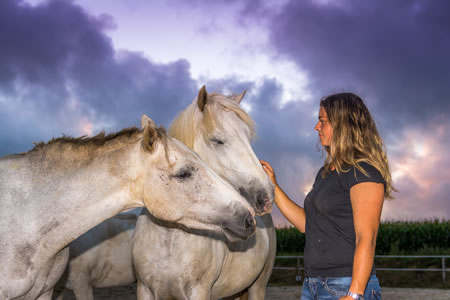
(278, 292)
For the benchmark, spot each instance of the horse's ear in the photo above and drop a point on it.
(239, 97)
(150, 133)
(145, 120)
(202, 98)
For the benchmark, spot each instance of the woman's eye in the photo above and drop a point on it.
(217, 141)
(183, 174)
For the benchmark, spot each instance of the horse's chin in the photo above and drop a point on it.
(268, 208)
(233, 236)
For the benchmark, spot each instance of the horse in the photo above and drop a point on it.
(100, 258)
(57, 191)
(87, 263)
(172, 262)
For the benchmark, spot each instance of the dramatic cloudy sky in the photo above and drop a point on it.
(82, 66)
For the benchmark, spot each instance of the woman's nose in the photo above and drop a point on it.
(317, 127)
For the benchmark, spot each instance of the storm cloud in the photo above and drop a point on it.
(60, 74)
(79, 67)
(393, 53)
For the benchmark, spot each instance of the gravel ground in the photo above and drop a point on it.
(279, 292)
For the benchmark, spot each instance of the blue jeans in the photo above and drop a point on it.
(333, 288)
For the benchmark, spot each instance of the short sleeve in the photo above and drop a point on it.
(355, 176)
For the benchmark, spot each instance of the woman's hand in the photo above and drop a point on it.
(269, 170)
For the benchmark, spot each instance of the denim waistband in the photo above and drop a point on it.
(337, 280)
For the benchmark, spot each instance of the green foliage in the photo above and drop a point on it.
(405, 237)
(399, 237)
(290, 240)
(429, 237)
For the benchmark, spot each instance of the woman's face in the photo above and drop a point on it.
(324, 128)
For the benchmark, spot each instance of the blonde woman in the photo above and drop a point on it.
(342, 211)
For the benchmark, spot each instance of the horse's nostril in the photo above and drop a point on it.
(260, 199)
(243, 192)
(248, 222)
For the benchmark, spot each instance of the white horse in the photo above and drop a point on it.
(100, 246)
(100, 258)
(176, 263)
(54, 193)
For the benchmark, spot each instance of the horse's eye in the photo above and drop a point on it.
(217, 141)
(183, 174)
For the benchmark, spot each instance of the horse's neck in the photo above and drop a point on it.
(85, 198)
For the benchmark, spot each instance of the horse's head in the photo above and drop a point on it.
(220, 131)
(177, 186)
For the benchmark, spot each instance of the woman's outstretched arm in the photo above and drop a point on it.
(292, 212)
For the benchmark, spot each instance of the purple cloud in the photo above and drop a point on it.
(59, 69)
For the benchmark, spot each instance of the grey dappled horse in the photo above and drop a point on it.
(172, 262)
(57, 191)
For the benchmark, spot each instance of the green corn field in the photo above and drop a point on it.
(428, 237)
(394, 238)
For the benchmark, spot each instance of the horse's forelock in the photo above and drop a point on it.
(210, 120)
(192, 123)
(186, 127)
(228, 104)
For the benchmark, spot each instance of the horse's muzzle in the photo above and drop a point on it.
(259, 199)
(240, 228)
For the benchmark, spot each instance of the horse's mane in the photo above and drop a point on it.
(96, 141)
(191, 122)
(73, 149)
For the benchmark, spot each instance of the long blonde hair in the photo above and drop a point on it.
(355, 138)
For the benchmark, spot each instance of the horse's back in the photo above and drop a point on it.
(103, 232)
(103, 254)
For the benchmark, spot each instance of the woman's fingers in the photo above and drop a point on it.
(269, 170)
(266, 165)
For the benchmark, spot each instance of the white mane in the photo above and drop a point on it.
(192, 123)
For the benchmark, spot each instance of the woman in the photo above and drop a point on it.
(342, 211)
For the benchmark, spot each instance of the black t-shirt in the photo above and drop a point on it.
(330, 232)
